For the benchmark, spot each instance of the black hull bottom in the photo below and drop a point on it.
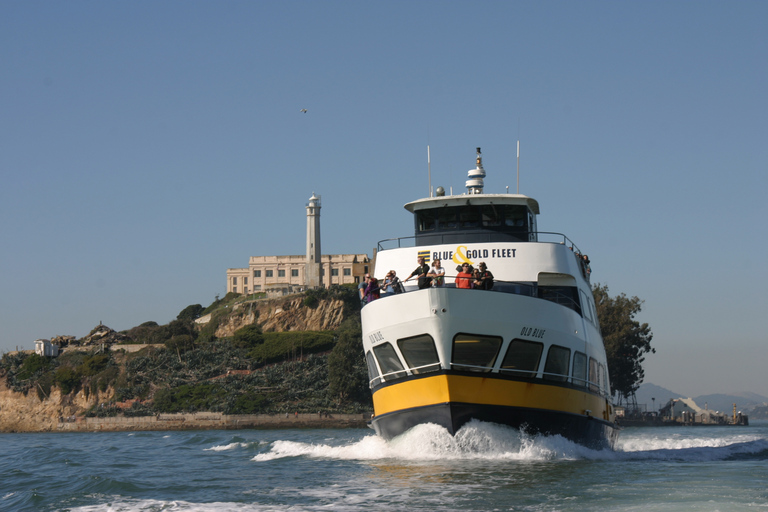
(588, 431)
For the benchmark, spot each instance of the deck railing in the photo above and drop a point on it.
(488, 237)
(513, 287)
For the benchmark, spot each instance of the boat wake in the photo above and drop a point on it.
(487, 441)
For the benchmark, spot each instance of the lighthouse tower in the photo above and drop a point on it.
(314, 279)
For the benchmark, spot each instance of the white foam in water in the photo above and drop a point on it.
(487, 441)
(476, 440)
(225, 447)
(690, 448)
(173, 506)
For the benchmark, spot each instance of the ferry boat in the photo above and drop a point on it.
(525, 353)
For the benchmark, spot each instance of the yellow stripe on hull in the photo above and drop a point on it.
(442, 388)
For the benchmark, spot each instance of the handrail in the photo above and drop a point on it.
(478, 235)
(525, 288)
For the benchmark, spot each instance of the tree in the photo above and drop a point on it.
(626, 340)
(248, 336)
(191, 312)
(347, 371)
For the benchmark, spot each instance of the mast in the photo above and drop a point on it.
(518, 166)
(429, 171)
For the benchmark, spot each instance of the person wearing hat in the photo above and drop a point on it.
(486, 278)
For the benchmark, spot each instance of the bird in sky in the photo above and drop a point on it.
(303, 111)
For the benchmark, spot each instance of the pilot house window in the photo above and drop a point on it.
(506, 218)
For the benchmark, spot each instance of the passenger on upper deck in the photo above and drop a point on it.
(486, 278)
(477, 281)
(392, 283)
(437, 274)
(361, 288)
(464, 278)
(373, 291)
(421, 272)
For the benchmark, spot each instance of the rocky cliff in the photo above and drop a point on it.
(27, 413)
(284, 314)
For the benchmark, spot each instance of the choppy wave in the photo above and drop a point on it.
(484, 467)
(231, 446)
(487, 441)
(175, 506)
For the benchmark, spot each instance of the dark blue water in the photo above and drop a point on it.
(485, 467)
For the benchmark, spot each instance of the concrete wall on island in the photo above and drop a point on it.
(213, 421)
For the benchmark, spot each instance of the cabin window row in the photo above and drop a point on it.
(495, 217)
(479, 353)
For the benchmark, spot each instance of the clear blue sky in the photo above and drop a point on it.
(146, 147)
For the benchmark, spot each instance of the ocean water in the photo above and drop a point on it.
(485, 467)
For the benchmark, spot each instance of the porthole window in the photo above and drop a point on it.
(522, 358)
(474, 352)
(420, 353)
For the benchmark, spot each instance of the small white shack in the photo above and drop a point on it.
(46, 348)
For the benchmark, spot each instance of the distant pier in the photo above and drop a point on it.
(678, 412)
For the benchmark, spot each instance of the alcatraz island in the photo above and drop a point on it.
(281, 349)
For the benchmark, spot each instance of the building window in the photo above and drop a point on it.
(245, 281)
(234, 281)
(294, 272)
(257, 273)
(347, 271)
(269, 273)
(281, 273)
(334, 272)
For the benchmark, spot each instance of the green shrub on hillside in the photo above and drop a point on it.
(279, 346)
(67, 379)
(34, 365)
(248, 337)
(204, 396)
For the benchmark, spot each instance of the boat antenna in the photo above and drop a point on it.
(429, 171)
(518, 166)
